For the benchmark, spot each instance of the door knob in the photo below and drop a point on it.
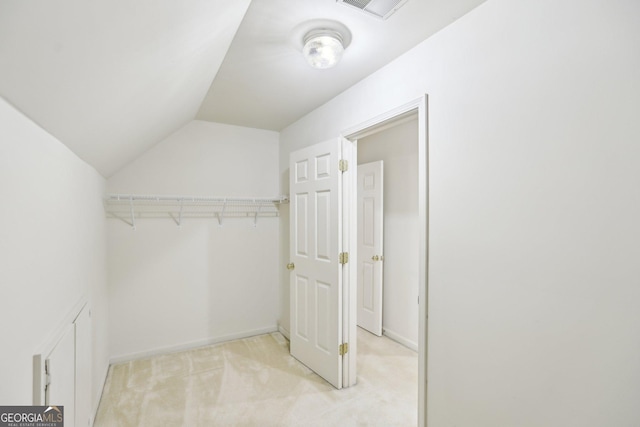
(291, 266)
(375, 258)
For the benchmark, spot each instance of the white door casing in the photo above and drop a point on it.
(370, 246)
(315, 245)
(61, 369)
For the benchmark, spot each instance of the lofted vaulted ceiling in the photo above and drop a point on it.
(111, 78)
(264, 81)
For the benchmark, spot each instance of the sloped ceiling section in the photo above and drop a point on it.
(110, 78)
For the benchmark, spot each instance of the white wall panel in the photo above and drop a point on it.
(52, 251)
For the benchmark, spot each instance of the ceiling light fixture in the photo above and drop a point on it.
(323, 48)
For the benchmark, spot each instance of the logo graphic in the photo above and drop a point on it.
(31, 416)
(53, 408)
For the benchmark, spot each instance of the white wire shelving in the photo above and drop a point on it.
(130, 208)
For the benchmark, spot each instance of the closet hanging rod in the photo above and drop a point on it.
(131, 207)
(194, 199)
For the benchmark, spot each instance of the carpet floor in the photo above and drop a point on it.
(255, 382)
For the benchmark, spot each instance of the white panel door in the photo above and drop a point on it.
(370, 246)
(61, 368)
(315, 244)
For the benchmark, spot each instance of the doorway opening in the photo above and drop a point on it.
(324, 250)
(413, 110)
(388, 232)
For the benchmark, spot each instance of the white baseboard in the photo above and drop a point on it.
(284, 332)
(190, 345)
(400, 339)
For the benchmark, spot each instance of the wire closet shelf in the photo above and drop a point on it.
(130, 208)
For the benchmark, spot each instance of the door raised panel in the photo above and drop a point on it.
(367, 286)
(302, 171)
(323, 225)
(323, 166)
(301, 218)
(302, 298)
(369, 182)
(368, 221)
(323, 310)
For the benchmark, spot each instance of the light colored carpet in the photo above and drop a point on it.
(255, 382)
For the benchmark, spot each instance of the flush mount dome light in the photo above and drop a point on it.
(323, 48)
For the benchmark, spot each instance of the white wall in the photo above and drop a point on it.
(533, 208)
(397, 147)
(52, 250)
(176, 287)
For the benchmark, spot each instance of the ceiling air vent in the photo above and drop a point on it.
(379, 8)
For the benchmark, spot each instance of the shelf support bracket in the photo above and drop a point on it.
(221, 215)
(180, 217)
(113, 215)
(255, 219)
(133, 216)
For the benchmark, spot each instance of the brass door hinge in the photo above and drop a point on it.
(344, 257)
(343, 165)
(343, 349)
(47, 378)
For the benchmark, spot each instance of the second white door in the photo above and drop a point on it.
(370, 246)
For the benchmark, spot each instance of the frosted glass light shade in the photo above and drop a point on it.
(323, 50)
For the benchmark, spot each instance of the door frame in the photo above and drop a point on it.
(371, 126)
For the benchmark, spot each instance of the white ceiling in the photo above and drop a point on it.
(111, 78)
(264, 81)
